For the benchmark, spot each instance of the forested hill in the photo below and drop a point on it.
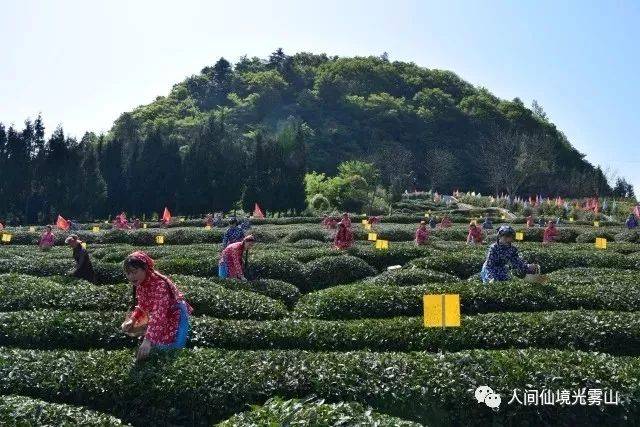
(235, 134)
(403, 117)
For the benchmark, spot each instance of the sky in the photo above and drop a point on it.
(82, 63)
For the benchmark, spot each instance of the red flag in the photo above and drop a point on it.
(62, 223)
(257, 212)
(636, 211)
(166, 216)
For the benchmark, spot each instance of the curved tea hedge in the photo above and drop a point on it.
(20, 292)
(206, 386)
(612, 332)
(374, 301)
(25, 411)
(296, 412)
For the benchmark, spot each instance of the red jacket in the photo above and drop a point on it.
(550, 233)
(343, 238)
(475, 235)
(232, 256)
(422, 235)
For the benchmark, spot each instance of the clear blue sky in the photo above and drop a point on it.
(82, 63)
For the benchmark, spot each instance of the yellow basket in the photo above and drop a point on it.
(160, 240)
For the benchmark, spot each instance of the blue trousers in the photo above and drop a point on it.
(182, 332)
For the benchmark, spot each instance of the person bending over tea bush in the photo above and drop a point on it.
(502, 253)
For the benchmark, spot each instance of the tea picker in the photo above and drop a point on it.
(500, 254)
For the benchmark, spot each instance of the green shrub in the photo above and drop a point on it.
(590, 236)
(20, 292)
(411, 277)
(309, 243)
(375, 301)
(306, 234)
(297, 412)
(206, 386)
(25, 411)
(631, 236)
(330, 271)
(275, 266)
(461, 264)
(397, 254)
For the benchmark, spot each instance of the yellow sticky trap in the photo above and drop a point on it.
(426, 215)
(373, 237)
(181, 219)
(207, 227)
(503, 217)
(6, 238)
(106, 222)
(367, 227)
(84, 245)
(382, 244)
(160, 240)
(601, 243)
(571, 219)
(365, 222)
(441, 310)
(95, 229)
(596, 223)
(144, 225)
(519, 235)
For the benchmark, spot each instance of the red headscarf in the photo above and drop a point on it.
(149, 265)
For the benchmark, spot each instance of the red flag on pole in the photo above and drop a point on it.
(257, 212)
(636, 211)
(62, 223)
(166, 216)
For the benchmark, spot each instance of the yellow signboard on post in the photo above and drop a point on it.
(519, 235)
(144, 225)
(596, 223)
(441, 310)
(6, 237)
(571, 219)
(95, 229)
(160, 240)
(367, 227)
(373, 237)
(601, 243)
(32, 229)
(84, 245)
(382, 244)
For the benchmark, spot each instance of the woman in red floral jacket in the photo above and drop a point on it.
(157, 301)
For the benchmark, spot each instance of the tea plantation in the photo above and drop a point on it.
(320, 336)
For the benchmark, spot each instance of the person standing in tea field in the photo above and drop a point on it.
(233, 234)
(346, 220)
(433, 222)
(208, 220)
(160, 313)
(530, 222)
(475, 234)
(631, 222)
(422, 234)
(502, 253)
(550, 233)
(446, 222)
(487, 224)
(84, 269)
(344, 236)
(231, 263)
(46, 239)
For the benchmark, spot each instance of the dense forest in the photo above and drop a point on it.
(236, 134)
